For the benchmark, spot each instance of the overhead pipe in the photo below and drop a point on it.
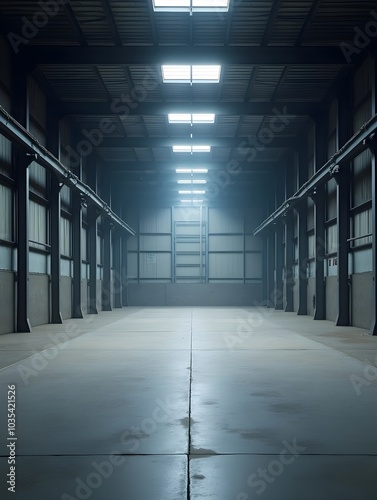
(356, 145)
(15, 132)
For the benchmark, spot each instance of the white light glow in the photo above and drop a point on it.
(191, 171)
(191, 149)
(204, 73)
(194, 118)
(190, 5)
(191, 181)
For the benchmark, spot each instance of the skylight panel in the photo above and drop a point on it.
(190, 5)
(191, 201)
(192, 192)
(206, 73)
(192, 170)
(191, 149)
(191, 181)
(191, 118)
(198, 73)
(176, 73)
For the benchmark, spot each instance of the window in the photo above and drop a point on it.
(190, 5)
(194, 118)
(202, 73)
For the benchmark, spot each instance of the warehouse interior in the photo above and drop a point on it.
(188, 249)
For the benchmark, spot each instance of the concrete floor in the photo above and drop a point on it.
(191, 404)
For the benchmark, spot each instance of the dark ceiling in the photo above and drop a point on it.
(102, 59)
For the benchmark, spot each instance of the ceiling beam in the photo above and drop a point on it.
(117, 107)
(169, 166)
(222, 142)
(36, 55)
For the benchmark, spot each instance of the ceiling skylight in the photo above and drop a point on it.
(192, 192)
(191, 149)
(190, 5)
(192, 181)
(191, 118)
(200, 73)
(192, 170)
(191, 201)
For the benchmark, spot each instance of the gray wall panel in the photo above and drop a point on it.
(7, 302)
(362, 301)
(331, 298)
(39, 299)
(193, 294)
(311, 293)
(66, 297)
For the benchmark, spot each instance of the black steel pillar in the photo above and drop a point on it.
(54, 146)
(106, 293)
(23, 323)
(92, 240)
(319, 198)
(302, 237)
(22, 162)
(279, 251)
(343, 210)
(76, 249)
(289, 235)
(374, 204)
(56, 316)
(117, 251)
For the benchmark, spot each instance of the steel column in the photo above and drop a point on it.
(22, 162)
(23, 323)
(279, 255)
(289, 234)
(56, 316)
(92, 241)
(106, 229)
(76, 249)
(117, 251)
(302, 238)
(342, 177)
(54, 146)
(374, 203)
(319, 198)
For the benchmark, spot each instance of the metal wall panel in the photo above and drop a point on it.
(231, 243)
(226, 220)
(65, 237)
(155, 220)
(226, 266)
(153, 243)
(253, 266)
(6, 211)
(159, 267)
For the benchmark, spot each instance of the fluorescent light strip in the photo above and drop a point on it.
(191, 201)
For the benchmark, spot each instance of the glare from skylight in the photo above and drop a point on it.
(188, 118)
(202, 73)
(191, 201)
